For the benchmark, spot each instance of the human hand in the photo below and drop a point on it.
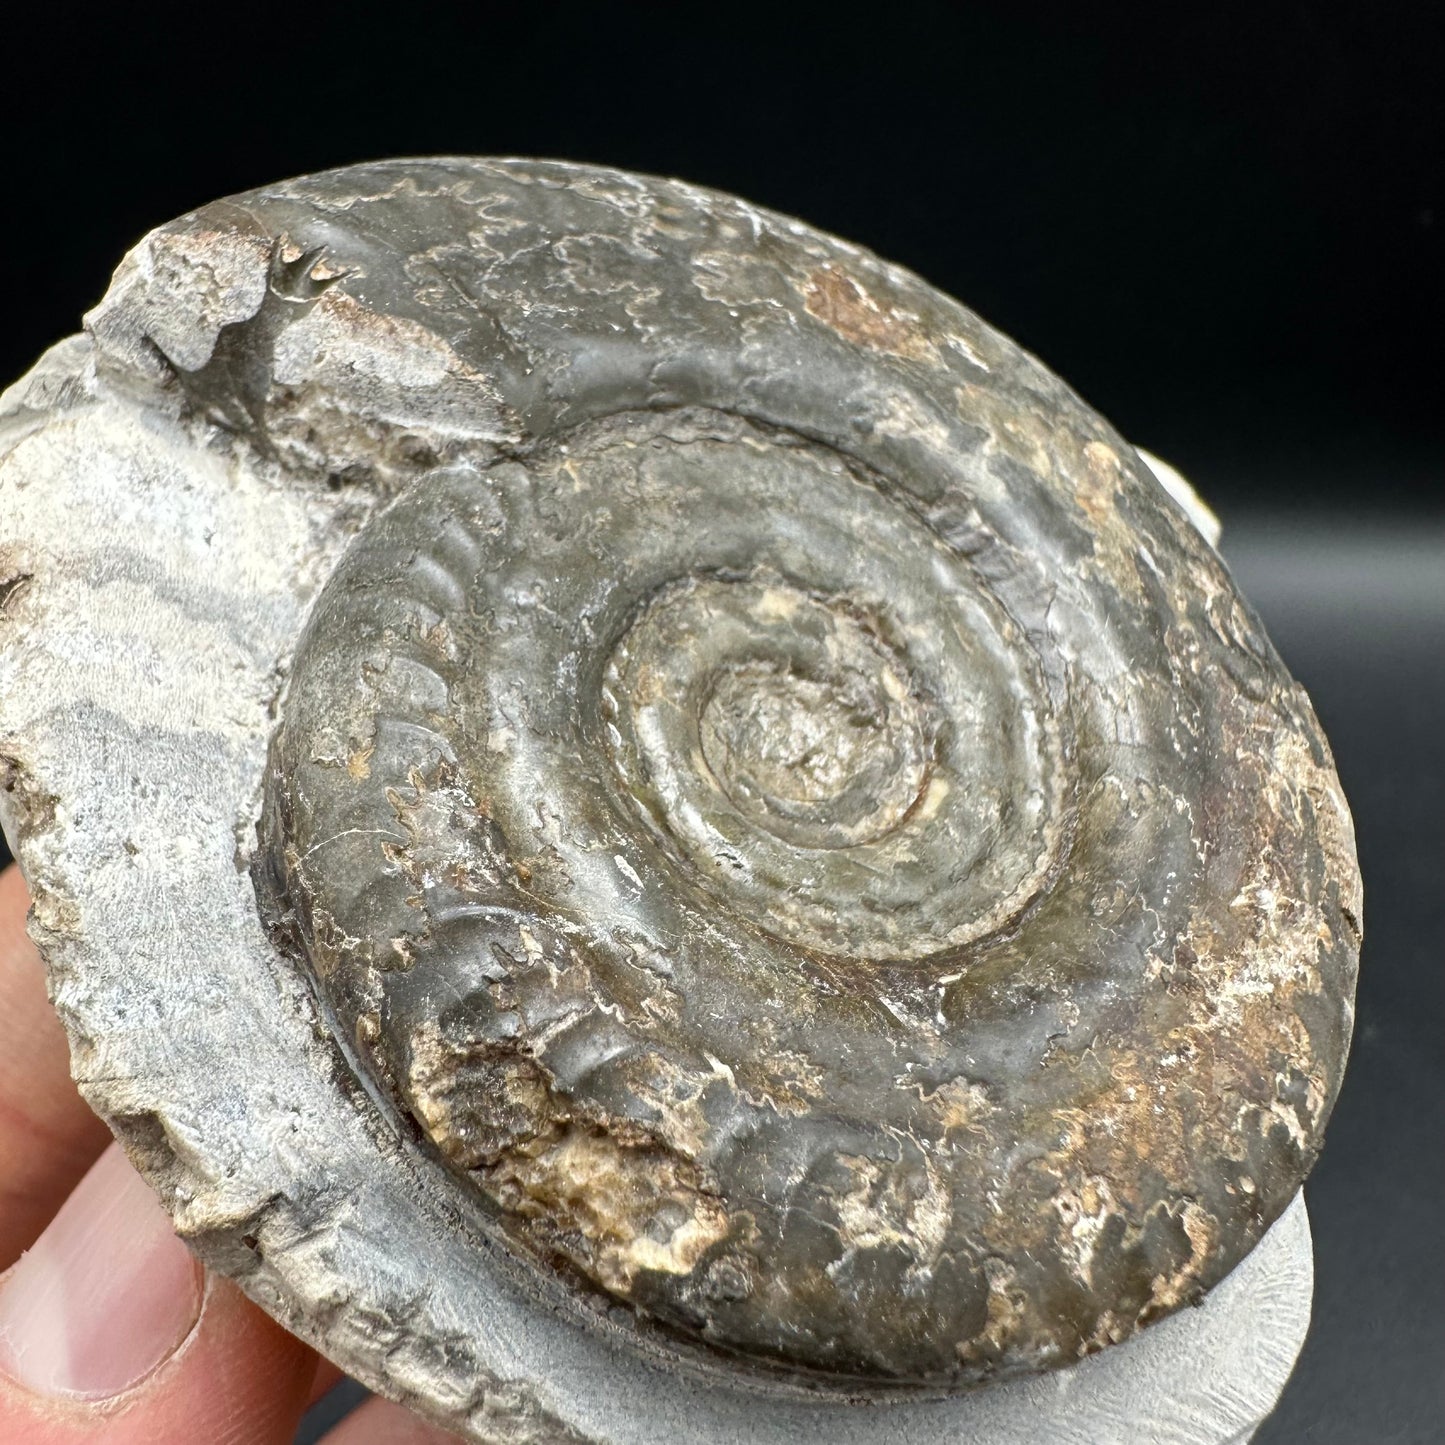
(110, 1332)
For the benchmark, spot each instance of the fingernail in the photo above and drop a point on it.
(106, 1295)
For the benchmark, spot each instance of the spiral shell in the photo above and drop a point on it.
(774, 795)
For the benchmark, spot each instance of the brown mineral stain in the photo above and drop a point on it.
(1007, 1314)
(960, 1104)
(1099, 482)
(840, 302)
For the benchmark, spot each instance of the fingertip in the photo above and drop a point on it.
(248, 1379)
(327, 1378)
(381, 1422)
(105, 1297)
(48, 1137)
(100, 1339)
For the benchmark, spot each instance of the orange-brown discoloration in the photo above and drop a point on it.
(840, 301)
(1099, 482)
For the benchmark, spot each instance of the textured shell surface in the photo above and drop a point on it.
(763, 820)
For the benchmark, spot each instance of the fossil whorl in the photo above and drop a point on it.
(808, 828)
(774, 794)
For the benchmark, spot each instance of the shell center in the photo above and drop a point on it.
(825, 758)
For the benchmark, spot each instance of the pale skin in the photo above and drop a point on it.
(110, 1333)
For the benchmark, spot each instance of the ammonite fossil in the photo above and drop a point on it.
(704, 787)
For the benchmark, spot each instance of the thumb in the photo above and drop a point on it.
(112, 1334)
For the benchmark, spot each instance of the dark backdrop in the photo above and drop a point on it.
(1222, 224)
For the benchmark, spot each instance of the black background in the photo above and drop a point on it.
(1222, 224)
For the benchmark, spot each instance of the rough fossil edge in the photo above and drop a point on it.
(295, 1186)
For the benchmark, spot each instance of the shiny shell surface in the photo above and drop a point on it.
(777, 834)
